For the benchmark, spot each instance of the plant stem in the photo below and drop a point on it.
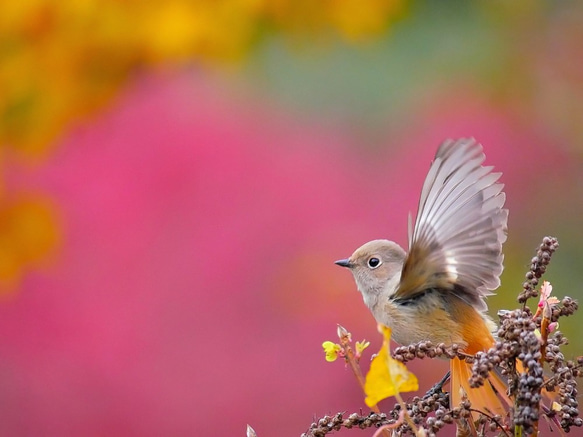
(355, 367)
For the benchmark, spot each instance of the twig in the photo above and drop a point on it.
(355, 367)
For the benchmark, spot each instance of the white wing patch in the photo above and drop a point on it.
(450, 265)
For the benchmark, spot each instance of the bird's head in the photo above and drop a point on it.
(376, 267)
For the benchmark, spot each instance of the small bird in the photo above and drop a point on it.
(436, 291)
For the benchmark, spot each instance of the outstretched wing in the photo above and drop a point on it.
(456, 243)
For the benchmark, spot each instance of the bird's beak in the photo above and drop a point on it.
(343, 263)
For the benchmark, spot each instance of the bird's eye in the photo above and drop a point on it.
(374, 262)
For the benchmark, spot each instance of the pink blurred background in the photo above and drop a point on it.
(202, 210)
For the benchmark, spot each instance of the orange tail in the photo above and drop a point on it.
(491, 398)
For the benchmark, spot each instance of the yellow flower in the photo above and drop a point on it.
(361, 346)
(331, 350)
(387, 376)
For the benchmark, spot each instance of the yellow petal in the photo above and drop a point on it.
(386, 331)
(327, 345)
(387, 376)
(362, 345)
(331, 350)
(402, 378)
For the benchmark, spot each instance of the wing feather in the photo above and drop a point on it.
(459, 229)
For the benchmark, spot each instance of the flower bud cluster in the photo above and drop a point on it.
(538, 266)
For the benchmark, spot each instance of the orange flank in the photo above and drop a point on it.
(474, 328)
(478, 337)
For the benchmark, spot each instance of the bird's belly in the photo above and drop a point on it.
(424, 319)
